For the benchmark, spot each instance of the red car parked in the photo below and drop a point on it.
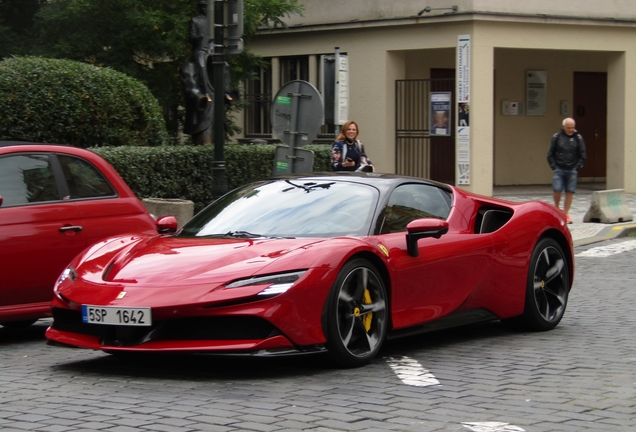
(55, 201)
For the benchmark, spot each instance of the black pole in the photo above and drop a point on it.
(218, 62)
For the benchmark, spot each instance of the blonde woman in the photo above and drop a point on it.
(347, 152)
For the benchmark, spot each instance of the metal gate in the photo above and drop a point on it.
(416, 152)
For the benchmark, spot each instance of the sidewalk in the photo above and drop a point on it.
(582, 232)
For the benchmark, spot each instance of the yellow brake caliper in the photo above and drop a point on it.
(366, 320)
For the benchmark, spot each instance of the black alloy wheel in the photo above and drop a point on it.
(356, 320)
(547, 288)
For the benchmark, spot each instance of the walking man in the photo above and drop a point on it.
(566, 157)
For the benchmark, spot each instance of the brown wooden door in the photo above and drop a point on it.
(590, 113)
(442, 166)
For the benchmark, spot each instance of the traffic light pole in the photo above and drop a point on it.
(218, 63)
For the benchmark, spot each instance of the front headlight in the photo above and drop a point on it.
(69, 274)
(277, 283)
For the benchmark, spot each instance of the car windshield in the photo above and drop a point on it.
(288, 208)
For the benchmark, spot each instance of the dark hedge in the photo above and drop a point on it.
(185, 172)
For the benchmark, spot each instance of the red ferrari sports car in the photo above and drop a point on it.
(335, 261)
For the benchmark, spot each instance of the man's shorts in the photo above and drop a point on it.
(564, 179)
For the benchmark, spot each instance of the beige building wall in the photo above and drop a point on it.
(505, 150)
(561, 50)
(521, 142)
(420, 62)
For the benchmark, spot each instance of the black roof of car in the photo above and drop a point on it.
(383, 180)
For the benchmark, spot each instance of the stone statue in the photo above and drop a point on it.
(195, 80)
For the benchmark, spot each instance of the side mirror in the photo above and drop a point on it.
(167, 225)
(422, 228)
(0, 201)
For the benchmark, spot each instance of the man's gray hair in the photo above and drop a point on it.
(566, 119)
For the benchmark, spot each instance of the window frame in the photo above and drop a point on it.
(67, 195)
(257, 113)
(60, 180)
(445, 196)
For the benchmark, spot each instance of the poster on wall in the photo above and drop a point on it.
(440, 114)
(462, 155)
(536, 93)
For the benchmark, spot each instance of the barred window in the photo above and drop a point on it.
(259, 95)
(294, 68)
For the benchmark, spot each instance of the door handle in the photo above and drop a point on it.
(75, 228)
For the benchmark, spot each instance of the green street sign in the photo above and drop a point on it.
(282, 166)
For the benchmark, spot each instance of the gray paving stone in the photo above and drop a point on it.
(167, 428)
(291, 425)
(63, 422)
(176, 422)
(57, 428)
(93, 425)
(251, 426)
(133, 423)
(121, 429)
(339, 425)
(304, 418)
(22, 426)
(269, 420)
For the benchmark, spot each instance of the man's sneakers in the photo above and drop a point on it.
(567, 218)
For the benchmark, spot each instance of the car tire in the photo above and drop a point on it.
(547, 288)
(356, 317)
(18, 324)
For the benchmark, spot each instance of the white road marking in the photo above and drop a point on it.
(609, 250)
(411, 372)
(492, 427)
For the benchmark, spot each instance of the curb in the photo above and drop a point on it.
(607, 233)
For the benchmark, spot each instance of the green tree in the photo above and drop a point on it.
(146, 39)
(16, 26)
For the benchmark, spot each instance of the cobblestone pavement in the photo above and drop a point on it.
(579, 377)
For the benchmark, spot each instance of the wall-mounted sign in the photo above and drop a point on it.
(536, 93)
(440, 114)
(463, 68)
(462, 145)
(341, 113)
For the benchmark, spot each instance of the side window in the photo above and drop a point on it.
(83, 179)
(415, 201)
(27, 178)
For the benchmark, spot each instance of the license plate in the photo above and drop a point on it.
(110, 315)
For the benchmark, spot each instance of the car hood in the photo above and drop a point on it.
(186, 261)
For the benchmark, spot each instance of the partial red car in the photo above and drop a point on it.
(335, 262)
(55, 201)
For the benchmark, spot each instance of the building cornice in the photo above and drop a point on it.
(454, 17)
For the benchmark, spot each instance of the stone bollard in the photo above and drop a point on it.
(182, 210)
(608, 206)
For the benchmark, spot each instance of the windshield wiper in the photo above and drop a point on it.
(245, 234)
(308, 187)
(242, 234)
